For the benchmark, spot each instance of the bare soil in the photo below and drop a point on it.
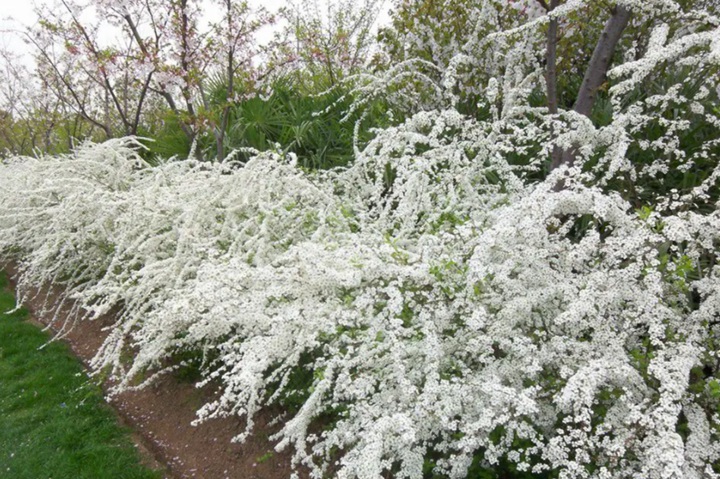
(160, 415)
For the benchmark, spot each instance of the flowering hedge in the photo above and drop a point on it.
(435, 304)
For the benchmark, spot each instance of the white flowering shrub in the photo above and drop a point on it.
(59, 211)
(441, 306)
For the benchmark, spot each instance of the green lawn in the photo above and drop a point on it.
(53, 421)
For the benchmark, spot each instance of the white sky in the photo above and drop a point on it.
(14, 14)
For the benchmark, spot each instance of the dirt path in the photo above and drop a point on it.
(161, 415)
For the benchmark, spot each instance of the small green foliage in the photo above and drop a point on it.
(684, 266)
(644, 212)
(406, 315)
(446, 220)
(713, 388)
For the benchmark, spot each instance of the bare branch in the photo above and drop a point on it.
(108, 86)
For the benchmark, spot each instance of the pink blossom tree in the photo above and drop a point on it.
(155, 49)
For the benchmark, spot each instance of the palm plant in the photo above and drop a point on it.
(297, 121)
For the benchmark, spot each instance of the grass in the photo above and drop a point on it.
(54, 422)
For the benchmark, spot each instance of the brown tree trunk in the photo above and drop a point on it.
(596, 72)
(551, 71)
(220, 136)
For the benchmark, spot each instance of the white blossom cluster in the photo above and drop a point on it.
(436, 304)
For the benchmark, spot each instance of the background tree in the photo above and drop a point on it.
(158, 49)
(324, 41)
(33, 118)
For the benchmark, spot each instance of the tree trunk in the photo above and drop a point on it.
(596, 72)
(551, 71)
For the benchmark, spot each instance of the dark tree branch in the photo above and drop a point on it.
(551, 61)
(162, 91)
(185, 32)
(80, 104)
(596, 73)
(600, 61)
(141, 102)
(173, 107)
(108, 86)
(133, 29)
(220, 131)
(551, 80)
